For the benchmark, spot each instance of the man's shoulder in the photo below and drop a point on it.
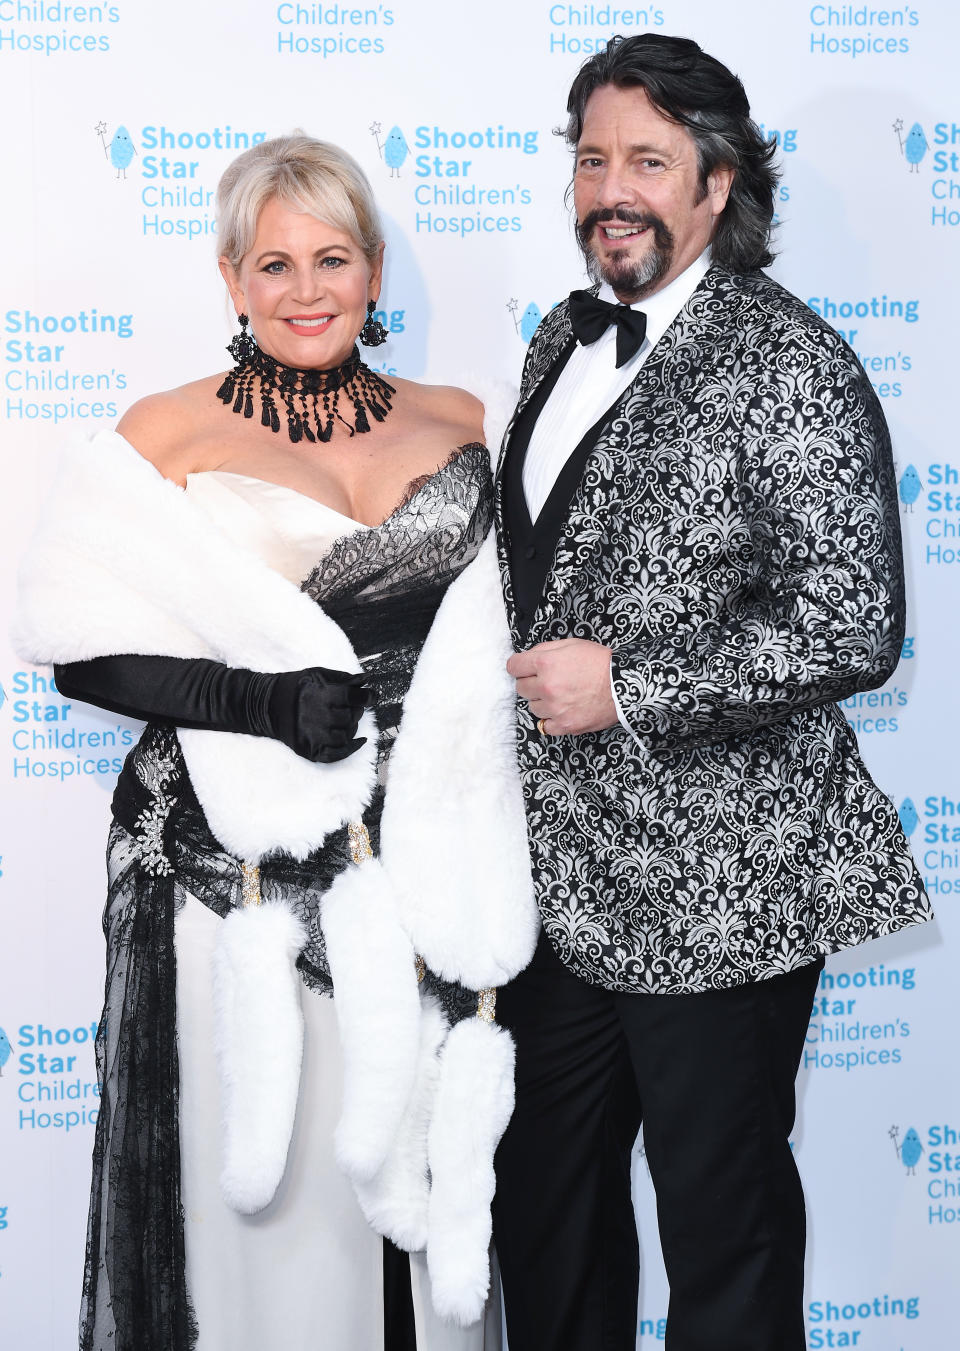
(774, 316)
(784, 343)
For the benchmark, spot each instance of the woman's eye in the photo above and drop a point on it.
(274, 268)
(332, 261)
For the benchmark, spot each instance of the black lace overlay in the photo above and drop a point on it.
(383, 587)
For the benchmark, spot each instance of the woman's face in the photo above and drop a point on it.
(305, 286)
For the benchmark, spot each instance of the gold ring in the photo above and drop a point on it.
(540, 726)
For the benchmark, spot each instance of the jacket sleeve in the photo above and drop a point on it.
(822, 614)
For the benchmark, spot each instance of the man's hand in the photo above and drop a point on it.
(567, 684)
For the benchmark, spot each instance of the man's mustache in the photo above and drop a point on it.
(661, 234)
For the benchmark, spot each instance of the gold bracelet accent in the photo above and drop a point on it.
(359, 838)
(421, 967)
(250, 884)
(487, 1006)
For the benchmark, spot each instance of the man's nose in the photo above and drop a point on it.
(617, 188)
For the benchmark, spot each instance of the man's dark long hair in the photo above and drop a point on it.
(700, 93)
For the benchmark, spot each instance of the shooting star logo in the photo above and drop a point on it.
(910, 487)
(908, 816)
(914, 147)
(910, 1151)
(394, 150)
(120, 150)
(526, 325)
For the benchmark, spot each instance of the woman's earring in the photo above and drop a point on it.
(373, 332)
(243, 344)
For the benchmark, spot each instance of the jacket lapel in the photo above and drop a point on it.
(549, 347)
(672, 370)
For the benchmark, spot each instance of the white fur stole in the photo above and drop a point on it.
(125, 562)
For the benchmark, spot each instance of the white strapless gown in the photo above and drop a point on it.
(306, 1273)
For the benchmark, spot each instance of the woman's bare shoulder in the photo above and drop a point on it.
(166, 428)
(444, 404)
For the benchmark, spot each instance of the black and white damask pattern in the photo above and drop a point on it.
(735, 540)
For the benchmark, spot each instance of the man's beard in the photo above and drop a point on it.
(628, 277)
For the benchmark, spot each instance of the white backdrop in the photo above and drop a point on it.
(118, 120)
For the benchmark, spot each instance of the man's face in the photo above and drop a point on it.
(642, 217)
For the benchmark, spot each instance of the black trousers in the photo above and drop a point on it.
(711, 1076)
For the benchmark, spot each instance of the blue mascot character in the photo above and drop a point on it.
(529, 321)
(910, 487)
(122, 151)
(395, 151)
(908, 816)
(915, 147)
(910, 1152)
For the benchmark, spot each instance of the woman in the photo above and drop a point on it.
(251, 559)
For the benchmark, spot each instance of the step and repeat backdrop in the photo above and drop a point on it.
(118, 119)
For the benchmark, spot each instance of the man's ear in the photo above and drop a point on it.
(719, 183)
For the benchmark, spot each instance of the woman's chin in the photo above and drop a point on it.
(307, 352)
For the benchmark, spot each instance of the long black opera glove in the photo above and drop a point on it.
(315, 712)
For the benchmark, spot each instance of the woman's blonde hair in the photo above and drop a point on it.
(307, 175)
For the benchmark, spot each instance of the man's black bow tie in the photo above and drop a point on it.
(591, 317)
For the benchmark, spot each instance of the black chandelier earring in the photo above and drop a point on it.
(243, 344)
(373, 332)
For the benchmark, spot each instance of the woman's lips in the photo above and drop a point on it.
(309, 323)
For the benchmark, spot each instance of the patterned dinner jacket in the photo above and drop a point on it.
(734, 538)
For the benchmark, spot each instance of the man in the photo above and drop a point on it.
(701, 554)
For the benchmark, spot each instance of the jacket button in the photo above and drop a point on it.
(530, 552)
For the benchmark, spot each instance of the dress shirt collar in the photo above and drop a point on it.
(662, 307)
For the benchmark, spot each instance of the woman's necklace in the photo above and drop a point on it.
(311, 398)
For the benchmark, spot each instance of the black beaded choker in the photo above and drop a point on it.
(311, 398)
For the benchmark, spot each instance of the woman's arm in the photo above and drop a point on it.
(314, 711)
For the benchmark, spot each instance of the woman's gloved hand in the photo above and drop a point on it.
(314, 711)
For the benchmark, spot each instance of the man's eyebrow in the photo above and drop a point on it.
(639, 148)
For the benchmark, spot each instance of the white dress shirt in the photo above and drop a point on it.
(590, 383)
(586, 388)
